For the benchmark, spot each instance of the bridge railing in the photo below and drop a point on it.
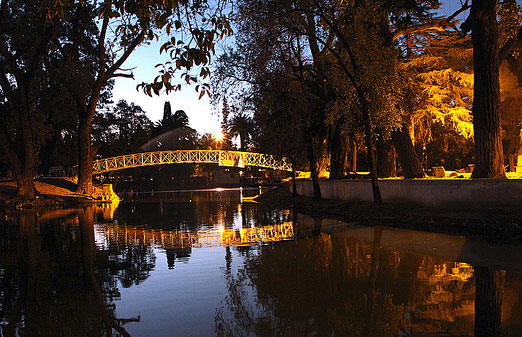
(220, 157)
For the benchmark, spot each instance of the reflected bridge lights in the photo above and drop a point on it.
(221, 237)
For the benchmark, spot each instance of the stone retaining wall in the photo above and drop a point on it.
(425, 192)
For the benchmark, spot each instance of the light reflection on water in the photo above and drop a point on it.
(174, 239)
(201, 263)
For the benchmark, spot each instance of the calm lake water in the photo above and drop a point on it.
(211, 263)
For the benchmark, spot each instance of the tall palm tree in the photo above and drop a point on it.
(243, 126)
(170, 122)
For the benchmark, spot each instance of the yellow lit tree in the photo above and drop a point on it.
(441, 83)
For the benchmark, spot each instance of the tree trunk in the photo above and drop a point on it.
(85, 157)
(339, 149)
(402, 141)
(242, 141)
(30, 249)
(86, 221)
(385, 159)
(374, 268)
(294, 184)
(318, 225)
(26, 189)
(488, 301)
(312, 159)
(486, 102)
(406, 155)
(25, 184)
(23, 171)
(88, 248)
(512, 166)
(377, 199)
(353, 144)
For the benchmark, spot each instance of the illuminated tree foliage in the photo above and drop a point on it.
(438, 67)
(325, 46)
(440, 79)
(510, 109)
(510, 19)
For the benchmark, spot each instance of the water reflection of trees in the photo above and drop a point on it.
(332, 285)
(177, 254)
(129, 264)
(196, 210)
(55, 282)
(307, 289)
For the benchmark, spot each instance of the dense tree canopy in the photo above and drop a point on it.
(78, 47)
(416, 88)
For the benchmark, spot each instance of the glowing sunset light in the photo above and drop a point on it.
(218, 136)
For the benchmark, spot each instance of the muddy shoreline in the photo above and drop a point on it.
(492, 224)
(52, 193)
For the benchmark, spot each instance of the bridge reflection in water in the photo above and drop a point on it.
(162, 238)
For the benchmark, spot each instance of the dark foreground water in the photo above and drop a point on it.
(209, 263)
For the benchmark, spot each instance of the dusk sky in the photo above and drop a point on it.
(144, 59)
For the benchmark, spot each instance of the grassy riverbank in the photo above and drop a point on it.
(51, 193)
(502, 224)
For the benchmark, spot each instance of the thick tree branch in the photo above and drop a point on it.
(435, 25)
(79, 101)
(468, 23)
(7, 88)
(87, 112)
(131, 75)
(9, 148)
(101, 45)
(509, 45)
(328, 43)
(439, 26)
(314, 46)
(126, 54)
(11, 61)
(3, 14)
(40, 50)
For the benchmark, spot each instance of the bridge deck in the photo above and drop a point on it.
(220, 157)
